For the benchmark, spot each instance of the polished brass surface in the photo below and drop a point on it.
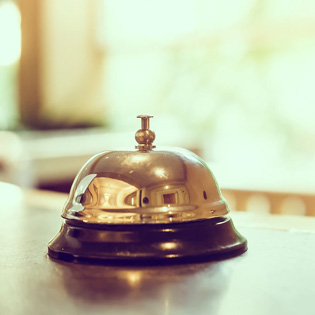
(159, 186)
(144, 186)
(145, 136)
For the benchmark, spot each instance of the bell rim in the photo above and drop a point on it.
(203, 240)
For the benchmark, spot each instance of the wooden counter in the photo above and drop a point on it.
(275, 276)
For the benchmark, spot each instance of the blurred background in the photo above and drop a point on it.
(232, 81)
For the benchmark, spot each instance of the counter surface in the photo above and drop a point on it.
(275, 276)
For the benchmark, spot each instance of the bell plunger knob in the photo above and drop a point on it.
(145, 136)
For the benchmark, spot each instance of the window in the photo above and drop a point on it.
(10, 49)
(233, 79)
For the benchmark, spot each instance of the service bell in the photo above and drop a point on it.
(146, 205)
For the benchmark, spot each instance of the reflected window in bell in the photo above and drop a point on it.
(170, 198)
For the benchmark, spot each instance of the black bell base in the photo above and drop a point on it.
(149, 244)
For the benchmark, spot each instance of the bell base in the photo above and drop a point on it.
(203, 240)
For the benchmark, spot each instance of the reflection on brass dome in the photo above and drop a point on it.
(136, 187)
(121, 197)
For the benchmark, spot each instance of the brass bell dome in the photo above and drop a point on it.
(145, 193)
